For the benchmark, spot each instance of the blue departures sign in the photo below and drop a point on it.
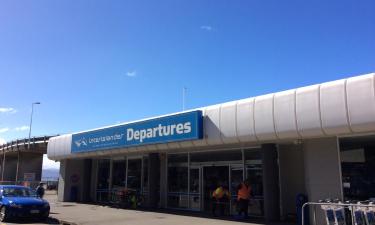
(180, 127)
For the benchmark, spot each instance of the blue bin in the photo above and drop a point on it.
(74, 194)
(300, 200)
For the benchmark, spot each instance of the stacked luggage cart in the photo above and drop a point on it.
(343, 213)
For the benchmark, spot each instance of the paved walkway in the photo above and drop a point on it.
(95, 215)
(82, 214)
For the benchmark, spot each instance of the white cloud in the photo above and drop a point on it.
(207, 28)
(131, 73)
(22, 128)
(2, 141)
(50, 164)
(7, 110)
(3, 130)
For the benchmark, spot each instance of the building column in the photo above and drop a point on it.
(271, 183)
(71, 180)
(62, 190)
(93, 180)
(322, 171)
(163, 180)
(292, 177)
(87, 167)
(154, 179)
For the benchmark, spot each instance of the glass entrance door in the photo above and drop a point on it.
(255, 176)
(134, 174)
(195, 189)
(213, 177)
(103, 180)
(236, 178)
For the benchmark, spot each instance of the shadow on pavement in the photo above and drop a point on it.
(199, 214)
(209, 216)
(35, 221)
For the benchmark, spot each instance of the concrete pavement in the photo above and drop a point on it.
(82, 214)
(95, 215)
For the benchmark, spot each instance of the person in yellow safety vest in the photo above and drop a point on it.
(243, 196)
(220, 199)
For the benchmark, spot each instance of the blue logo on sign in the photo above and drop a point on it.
(181, 127)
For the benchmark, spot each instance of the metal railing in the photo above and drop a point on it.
(336, 213)
(120, 197)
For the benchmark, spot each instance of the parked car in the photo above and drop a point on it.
(19, 201)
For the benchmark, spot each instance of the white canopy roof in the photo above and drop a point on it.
(341, 107)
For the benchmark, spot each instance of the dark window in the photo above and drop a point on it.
(357, 166)
(118, 173)
(103, 174)
(134, 174)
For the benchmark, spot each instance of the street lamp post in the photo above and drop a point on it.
(31, 120)
(28, 147)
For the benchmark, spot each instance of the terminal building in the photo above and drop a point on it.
(316, 140)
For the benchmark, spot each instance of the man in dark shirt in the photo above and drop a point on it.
(40, 190)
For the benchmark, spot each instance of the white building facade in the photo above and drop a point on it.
(316, 140)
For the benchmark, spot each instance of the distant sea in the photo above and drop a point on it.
(50, 174)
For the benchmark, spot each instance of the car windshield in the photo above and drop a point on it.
(18, 192)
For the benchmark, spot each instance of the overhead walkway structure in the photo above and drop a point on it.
(21, 160)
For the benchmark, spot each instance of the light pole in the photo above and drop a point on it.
(183, 98)
(28, 147)
(31, 120)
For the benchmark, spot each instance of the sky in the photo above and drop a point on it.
(95, 63)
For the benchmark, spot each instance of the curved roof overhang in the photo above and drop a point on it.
(341, 107)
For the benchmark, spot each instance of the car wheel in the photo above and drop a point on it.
(3, 214)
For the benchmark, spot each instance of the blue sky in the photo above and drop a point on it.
(96, 63)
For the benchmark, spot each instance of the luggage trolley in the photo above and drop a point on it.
(335, 213)
(367, 209)
(358, 212)
(339, 211)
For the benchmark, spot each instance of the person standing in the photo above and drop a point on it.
(40, 190)
(220, 198)
(243, 196)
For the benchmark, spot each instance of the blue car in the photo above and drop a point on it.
(19, 201)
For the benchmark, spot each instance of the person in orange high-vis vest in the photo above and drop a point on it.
(243, 196)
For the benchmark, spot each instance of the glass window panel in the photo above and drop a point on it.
(103, 174)
(103, 171)
(236, 179)
(254, 173)
(177, 159)
(134, 173)
(178, 201)
(253, 155)
(255, 177)
(216, 156)
(177, 179)
(118, 173)
(357, 165)
(194, 180)
(194, 198)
